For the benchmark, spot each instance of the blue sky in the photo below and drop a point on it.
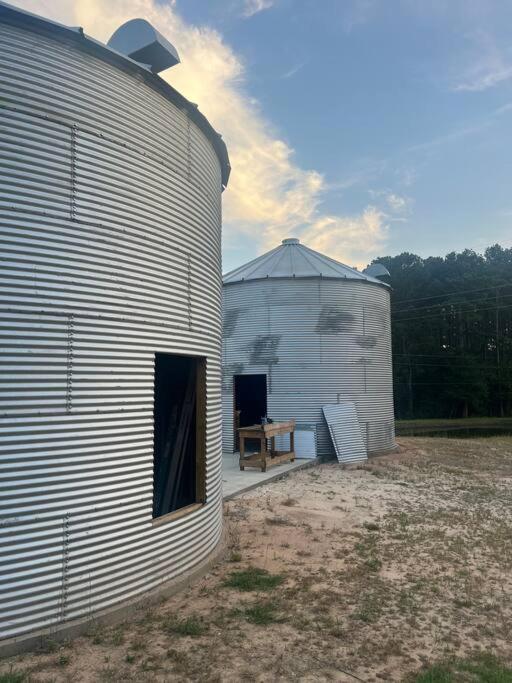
(389, 97)
(364, 127)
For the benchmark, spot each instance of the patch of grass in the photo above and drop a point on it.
(371, 526)
(253, 579)
(277, 521)
(13, 677)
(47, 646)
(190, 626)
(483, 668)
(235, 557)
(262, 614)
(369, 609)
(373, 564)
(96, 633)
(63, 660)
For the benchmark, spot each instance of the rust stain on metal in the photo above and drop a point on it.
(334, 320)
(367, 341)
(229, 322)
(263, 350)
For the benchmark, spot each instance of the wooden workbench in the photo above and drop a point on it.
(265, 458)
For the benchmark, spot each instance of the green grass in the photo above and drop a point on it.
(191, 626)
(13, 677)
(483, 668)
(262, 614)
(456, 422)
(253, 579)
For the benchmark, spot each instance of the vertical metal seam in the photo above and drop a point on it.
(189, 150)
(189, 289)
(65, 566)
(74, 129)
(69, 363)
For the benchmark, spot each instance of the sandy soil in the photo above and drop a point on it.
(384, 568)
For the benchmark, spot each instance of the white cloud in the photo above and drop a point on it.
(293, 70)
(269, 195)
(489, 65)
(398, 204)
(350, 236)
(252, 7)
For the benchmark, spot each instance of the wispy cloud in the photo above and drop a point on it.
(252, 7)
(355, 13)
(452, 136)
(489, 65)
(294, 70)
(397, 203)
(269, 194)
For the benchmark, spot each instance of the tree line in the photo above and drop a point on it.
(452, 333)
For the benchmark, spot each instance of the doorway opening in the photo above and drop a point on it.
(250, 402)
(179, 456)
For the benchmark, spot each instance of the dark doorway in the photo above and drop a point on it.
(179, 439)
(250, 401)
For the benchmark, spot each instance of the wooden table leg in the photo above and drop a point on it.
(273, 445)
(292, 444)
(263, 454)
(242, 452)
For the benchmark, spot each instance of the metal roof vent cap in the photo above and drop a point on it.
(377, 270)
(291, 240)
(140, 41)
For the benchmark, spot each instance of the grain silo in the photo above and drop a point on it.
(301, 331)
(110, 280)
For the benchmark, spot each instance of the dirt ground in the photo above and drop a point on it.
(374, 572)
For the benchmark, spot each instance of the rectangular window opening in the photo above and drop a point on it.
(179, 461)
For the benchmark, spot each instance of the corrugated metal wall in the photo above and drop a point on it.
(319, 341)
(110, 251)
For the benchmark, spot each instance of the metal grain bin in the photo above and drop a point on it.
(110, 231)
(307, 331)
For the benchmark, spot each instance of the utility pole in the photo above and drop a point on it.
(498, 357)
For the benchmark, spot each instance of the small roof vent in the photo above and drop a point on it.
(139, 41)
(377, 270)
(291, 240)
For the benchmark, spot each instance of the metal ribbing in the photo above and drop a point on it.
(319, 341)
(110, 242)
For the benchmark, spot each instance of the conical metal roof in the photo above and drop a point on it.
(291, 259)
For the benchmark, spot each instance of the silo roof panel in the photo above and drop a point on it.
(291, 259)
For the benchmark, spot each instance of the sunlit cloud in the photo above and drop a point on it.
(269, 195)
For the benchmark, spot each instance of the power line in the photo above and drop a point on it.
(436, 315)
(456, 291)
(427, 355)
(447, 303)
(444, 384)
(443, 365)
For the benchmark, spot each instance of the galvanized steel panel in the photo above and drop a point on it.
(319, 341)
(110, 239)
(345, 432)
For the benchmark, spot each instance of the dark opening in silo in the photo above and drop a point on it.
(179, 440)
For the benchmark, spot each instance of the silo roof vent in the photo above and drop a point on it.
(291, 240)
(140, 41)
(377, 270)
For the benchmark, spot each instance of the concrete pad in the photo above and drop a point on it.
(234, 481)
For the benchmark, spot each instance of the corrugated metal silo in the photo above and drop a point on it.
(316, 332)
(110, 237)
